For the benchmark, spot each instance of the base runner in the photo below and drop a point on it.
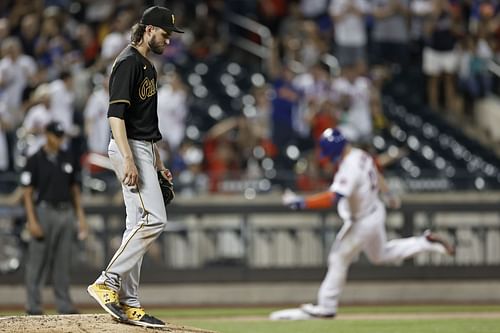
(355, 191)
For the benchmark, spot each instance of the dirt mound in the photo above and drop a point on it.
(89, 323)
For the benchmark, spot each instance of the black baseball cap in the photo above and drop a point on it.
(161, 17)
(55, 128)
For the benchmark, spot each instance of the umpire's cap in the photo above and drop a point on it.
(161, 17)
(55, 128)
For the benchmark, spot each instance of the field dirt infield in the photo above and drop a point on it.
(97, 323)
(88, 323)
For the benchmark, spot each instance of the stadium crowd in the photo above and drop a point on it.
(55, 57)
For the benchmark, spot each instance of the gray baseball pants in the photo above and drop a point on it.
(368, 235)
(51, 254)
(146, 219)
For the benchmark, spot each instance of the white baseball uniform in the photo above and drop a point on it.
(96, 117)
(364, 215)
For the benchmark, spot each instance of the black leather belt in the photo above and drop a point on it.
(56, 205)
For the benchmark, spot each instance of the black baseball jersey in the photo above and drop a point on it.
(50, 175)
(133, 81)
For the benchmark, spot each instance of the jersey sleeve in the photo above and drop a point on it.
(121, 82)
(344, 181)
(29, 174)
(69, 168)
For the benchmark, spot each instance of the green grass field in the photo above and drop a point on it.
(350, 319)
(354, 326)
(479, 318)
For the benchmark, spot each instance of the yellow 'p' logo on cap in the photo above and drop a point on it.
(173, 19)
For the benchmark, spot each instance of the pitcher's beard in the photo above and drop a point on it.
(155, 47)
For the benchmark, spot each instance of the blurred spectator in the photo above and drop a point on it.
(285, 117)
(4, 148)
(378, 75)
(324, 116)
(421, 13)
(475, 80)
(16, 70)
(440, 59)
(52, 44)
(312, 9)
(37, 117)
(99, 12)
(353, 92)
(88, 44)
(285, 101)
(312, 174)
(350, 31)
(484, 16)
(172, 112)
(312, 46)
(62, 102)
(97, 129)
(210, 37)
(177, 50)
(20, 8)
(291, 22)
(315, 86)
(297, 105)
(4, 28)
(317, 12)
(302, 44)
(390, 31)
(119, 37)
(259, 122)
(223, 157)
(271, 12)
(30, 27)
(187, 166)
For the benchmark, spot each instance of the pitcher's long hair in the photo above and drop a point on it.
(137, 33)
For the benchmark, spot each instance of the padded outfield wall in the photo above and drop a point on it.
(258, 246)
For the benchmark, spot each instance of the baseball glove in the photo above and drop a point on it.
(167, 188)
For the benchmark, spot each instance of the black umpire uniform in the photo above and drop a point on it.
(51, 198)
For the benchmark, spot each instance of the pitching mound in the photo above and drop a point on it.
(89, 323)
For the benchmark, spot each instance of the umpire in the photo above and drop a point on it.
(51, 199)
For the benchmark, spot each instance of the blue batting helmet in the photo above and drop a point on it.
(332, 143)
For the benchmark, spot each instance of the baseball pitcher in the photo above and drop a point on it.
(133, 154)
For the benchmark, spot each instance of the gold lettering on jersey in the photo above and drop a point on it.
(147, 88)
(173, 19)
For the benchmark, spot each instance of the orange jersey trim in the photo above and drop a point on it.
(320, 200)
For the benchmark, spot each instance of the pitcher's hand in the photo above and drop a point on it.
(167, 174)
(130, 173)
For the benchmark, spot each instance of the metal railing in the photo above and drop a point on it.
(261, 50)
(263, 47)
(494, 67)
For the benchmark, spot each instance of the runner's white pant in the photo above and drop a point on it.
(146, 219)
(368, 235)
